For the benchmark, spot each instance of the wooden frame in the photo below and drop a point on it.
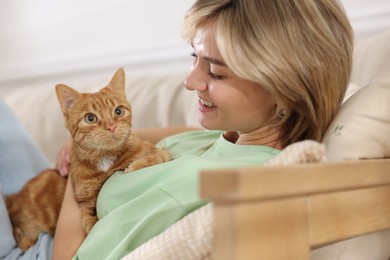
(283, 212)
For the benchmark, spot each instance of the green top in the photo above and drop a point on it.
(134, 207)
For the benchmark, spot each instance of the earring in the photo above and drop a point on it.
(280, 112)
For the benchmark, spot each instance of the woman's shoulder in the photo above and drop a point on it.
(199, 135)
(190, 141)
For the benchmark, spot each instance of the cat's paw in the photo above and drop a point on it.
(136, 165)
(128, 169)
(165, 155)
(24, 242)
(159, 156)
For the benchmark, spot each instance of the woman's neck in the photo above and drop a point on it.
(256, 137)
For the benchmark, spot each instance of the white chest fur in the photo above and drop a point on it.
(105, 163)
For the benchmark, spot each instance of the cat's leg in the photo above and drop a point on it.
(24, 231)
(36, 207)
(88, 217)
(158, 156)
(40, 249)
(86, 196)
(25, 241)
(20, 158)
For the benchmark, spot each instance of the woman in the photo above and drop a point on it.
(267, 74)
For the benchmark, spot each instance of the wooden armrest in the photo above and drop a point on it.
(282, 212)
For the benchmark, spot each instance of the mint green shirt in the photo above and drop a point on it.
(134, 207)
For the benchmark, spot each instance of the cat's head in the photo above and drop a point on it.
(99, 121)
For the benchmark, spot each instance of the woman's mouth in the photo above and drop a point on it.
(205, 106)
(206, 103)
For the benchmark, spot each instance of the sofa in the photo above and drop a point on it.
(360, 130)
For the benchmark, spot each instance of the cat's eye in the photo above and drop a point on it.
(119, 111)
(90, 118)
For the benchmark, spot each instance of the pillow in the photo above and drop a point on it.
(362, 126)
(352, 89)
(371, 58)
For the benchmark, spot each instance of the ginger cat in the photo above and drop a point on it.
(100, 125)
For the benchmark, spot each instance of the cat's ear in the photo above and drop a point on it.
(67, 96)
(117, 82)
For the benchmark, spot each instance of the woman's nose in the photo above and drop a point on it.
(196, 79)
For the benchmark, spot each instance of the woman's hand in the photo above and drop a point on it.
(63, 158)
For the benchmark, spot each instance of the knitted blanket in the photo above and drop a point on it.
(192, 236)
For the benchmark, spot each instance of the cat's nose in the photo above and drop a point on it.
(111, 128)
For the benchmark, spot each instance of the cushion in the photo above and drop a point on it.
(371, 59)
(362, 126)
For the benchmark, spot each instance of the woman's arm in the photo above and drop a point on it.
(154, 135)
(69, 233)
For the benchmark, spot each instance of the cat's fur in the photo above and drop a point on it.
(100, 125)
(35, 208)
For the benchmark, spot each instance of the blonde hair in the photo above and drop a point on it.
(300, 51)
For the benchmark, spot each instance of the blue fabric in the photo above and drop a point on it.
(20, 160)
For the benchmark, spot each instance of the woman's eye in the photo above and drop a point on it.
(90, 118)
(215, 76)
(119, 111)
(193, 54)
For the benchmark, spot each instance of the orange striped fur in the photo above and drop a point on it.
(100, 125)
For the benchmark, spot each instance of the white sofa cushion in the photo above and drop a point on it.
(362, 126)
(371, 59)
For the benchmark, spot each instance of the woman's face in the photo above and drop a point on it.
(226, 102)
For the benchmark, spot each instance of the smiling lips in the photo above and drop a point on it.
(206, 106)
